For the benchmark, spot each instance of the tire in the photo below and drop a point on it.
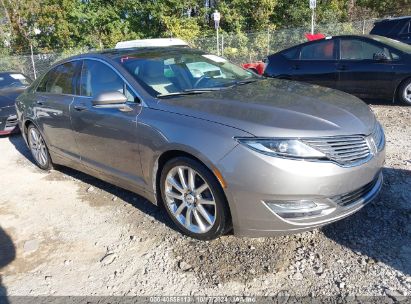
(404, 92)
(38, 148)
(199, 211)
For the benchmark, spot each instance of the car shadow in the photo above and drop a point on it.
(382, 230)
(18, 142)
(137, 201)
(142, 204)
(379, 102)
(7, 255)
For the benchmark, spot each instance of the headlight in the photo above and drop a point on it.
(378, 137)
(292, 148)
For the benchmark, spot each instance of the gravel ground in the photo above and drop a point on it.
(66, 233)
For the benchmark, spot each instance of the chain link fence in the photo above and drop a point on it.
(250, 47)
(34, 65)
(237, 47)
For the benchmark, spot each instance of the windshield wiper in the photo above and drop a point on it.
(202, 90)
(190, 92)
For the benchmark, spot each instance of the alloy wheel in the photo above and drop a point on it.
(407, 93)
(38, 147)
(190, 199)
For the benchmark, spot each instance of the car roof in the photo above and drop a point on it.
(138, 52)
(115, 54)
(327, 38)
(390, 19)
(152, 42)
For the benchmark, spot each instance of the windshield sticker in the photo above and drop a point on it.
(169, 61)
(17, 76)
(214, 58)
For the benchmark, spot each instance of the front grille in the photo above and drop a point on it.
(347, 199)
(11, 121)
(345, 150)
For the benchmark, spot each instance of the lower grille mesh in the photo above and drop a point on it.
(352, 197)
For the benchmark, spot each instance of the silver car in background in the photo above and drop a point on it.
(219, 147)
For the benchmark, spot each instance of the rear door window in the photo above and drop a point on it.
(59, 80)
(42, 87)
(63, 79)
(354, 49)
(323, 50)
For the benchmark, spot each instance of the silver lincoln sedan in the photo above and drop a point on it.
(219, 147)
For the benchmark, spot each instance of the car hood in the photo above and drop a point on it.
(272, 107)
(8, 96)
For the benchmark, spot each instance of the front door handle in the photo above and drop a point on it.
(295, 67)
(40, 102)
(342, 67)
(80, 107)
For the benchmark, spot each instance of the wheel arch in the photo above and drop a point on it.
(397, 88)
(173, 153)
(26, 125)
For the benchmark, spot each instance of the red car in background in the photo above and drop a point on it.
(256, 67)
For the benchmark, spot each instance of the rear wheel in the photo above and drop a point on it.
(38, 148)
(405, 92)
(194, 199)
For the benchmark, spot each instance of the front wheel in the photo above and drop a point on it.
(405, 92)
(38, 148)
(193, 199)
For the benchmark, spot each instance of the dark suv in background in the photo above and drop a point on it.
(12, 84)
(395, 28)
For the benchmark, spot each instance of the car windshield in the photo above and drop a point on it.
(13, 80)
(394, 43)
(184, 72)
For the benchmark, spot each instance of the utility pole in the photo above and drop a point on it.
(222, 44)
(313, 5)
(32, 61)
(217, 17)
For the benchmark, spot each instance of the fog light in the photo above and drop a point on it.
(298, 209)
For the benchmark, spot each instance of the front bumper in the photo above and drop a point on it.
(8, 120)
(255, 179)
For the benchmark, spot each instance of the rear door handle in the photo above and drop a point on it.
(40, 102)
(342, 67)
(295, 67)
(80, 107)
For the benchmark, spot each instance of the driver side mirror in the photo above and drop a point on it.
(381, 57)
(109, 98)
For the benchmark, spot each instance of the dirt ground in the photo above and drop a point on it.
(66, 233)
